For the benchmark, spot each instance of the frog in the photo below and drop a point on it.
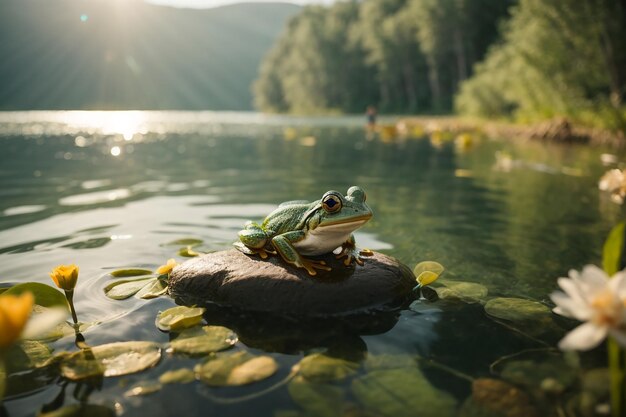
(299, 229)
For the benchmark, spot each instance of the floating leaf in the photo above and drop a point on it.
(205, 340)
(427, 272)
(517, 309)
(544, 369)
(179, 376)
(153, 289)
(188, 252)
(184, 242)
(81, 410)
(45, 295)
(612, 251)
(123, 289)
(427, 277)
(321, 368)
(44, 321)
(216, 370)
(59, 331)
(28, 354)
(495, 398)
(468, 292)
(256, 369)
(388, 361)
(178, 318)
(236, 369)
(320, 400)
(399, 392)
(130, 272)
(113, 359)
(143, 388)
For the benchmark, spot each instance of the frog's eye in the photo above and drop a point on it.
(331, 203)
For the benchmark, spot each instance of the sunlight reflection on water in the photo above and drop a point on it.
(185, 175)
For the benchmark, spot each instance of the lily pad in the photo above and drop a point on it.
(517, 309)
(81, 410)
(544, 369)
(130, 272)
(256, 369)
(143, 388)
(317, 399)
(319, 367)
(427, 272)
(184, 242)
(45, 295)
(113, 359)
(188, 252)
(205, 340)
(400, 392)
(389, 361)
(235, 369)
(179, 376)
(469, 292)
(178, 318)
(154, 289)
(28, 354)
(123, 289)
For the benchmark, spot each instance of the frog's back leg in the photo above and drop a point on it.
(284, 246)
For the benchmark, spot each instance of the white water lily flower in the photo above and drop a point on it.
(611, 181)
(614, 181)
(591, 296)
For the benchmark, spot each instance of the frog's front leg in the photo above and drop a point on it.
(252, 240)
(350, 252)
(284, 245)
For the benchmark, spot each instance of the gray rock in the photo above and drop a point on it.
(231, 278)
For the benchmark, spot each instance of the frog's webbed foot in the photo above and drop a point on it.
(310, 265)
(284, 246)
(350, 252)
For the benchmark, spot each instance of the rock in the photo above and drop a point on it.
(249, 283)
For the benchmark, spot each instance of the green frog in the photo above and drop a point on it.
(297, 229)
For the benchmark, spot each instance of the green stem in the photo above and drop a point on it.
(617, 367)
(3, 378)
(70, 299)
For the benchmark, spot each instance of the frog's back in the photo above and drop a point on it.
(287, 217)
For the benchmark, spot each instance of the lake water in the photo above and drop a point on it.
(109, 190)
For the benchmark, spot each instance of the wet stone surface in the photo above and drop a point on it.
(233, 279)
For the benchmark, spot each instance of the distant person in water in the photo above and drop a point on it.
(371, 114)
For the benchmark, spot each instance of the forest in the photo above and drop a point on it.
(522, 60)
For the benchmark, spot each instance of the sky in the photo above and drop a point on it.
(215, 3)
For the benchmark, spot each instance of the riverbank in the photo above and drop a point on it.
(559, 130)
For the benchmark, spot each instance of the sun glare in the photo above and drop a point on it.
(127, 124)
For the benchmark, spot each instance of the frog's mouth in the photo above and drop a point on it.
(354, 222)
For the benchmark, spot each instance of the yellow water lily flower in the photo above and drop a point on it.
(167, 268)
(65, 276)
(14, 313)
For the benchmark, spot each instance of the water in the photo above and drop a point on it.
(107, 190)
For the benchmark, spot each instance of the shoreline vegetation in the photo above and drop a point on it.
(556, 69)
(558, 130)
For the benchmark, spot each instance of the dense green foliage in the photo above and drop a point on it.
(527, 59)
(102, 54)
(557, 58)
(402, 55)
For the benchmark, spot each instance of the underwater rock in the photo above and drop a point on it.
(233, 279)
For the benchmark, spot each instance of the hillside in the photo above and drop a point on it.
(125, 54)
